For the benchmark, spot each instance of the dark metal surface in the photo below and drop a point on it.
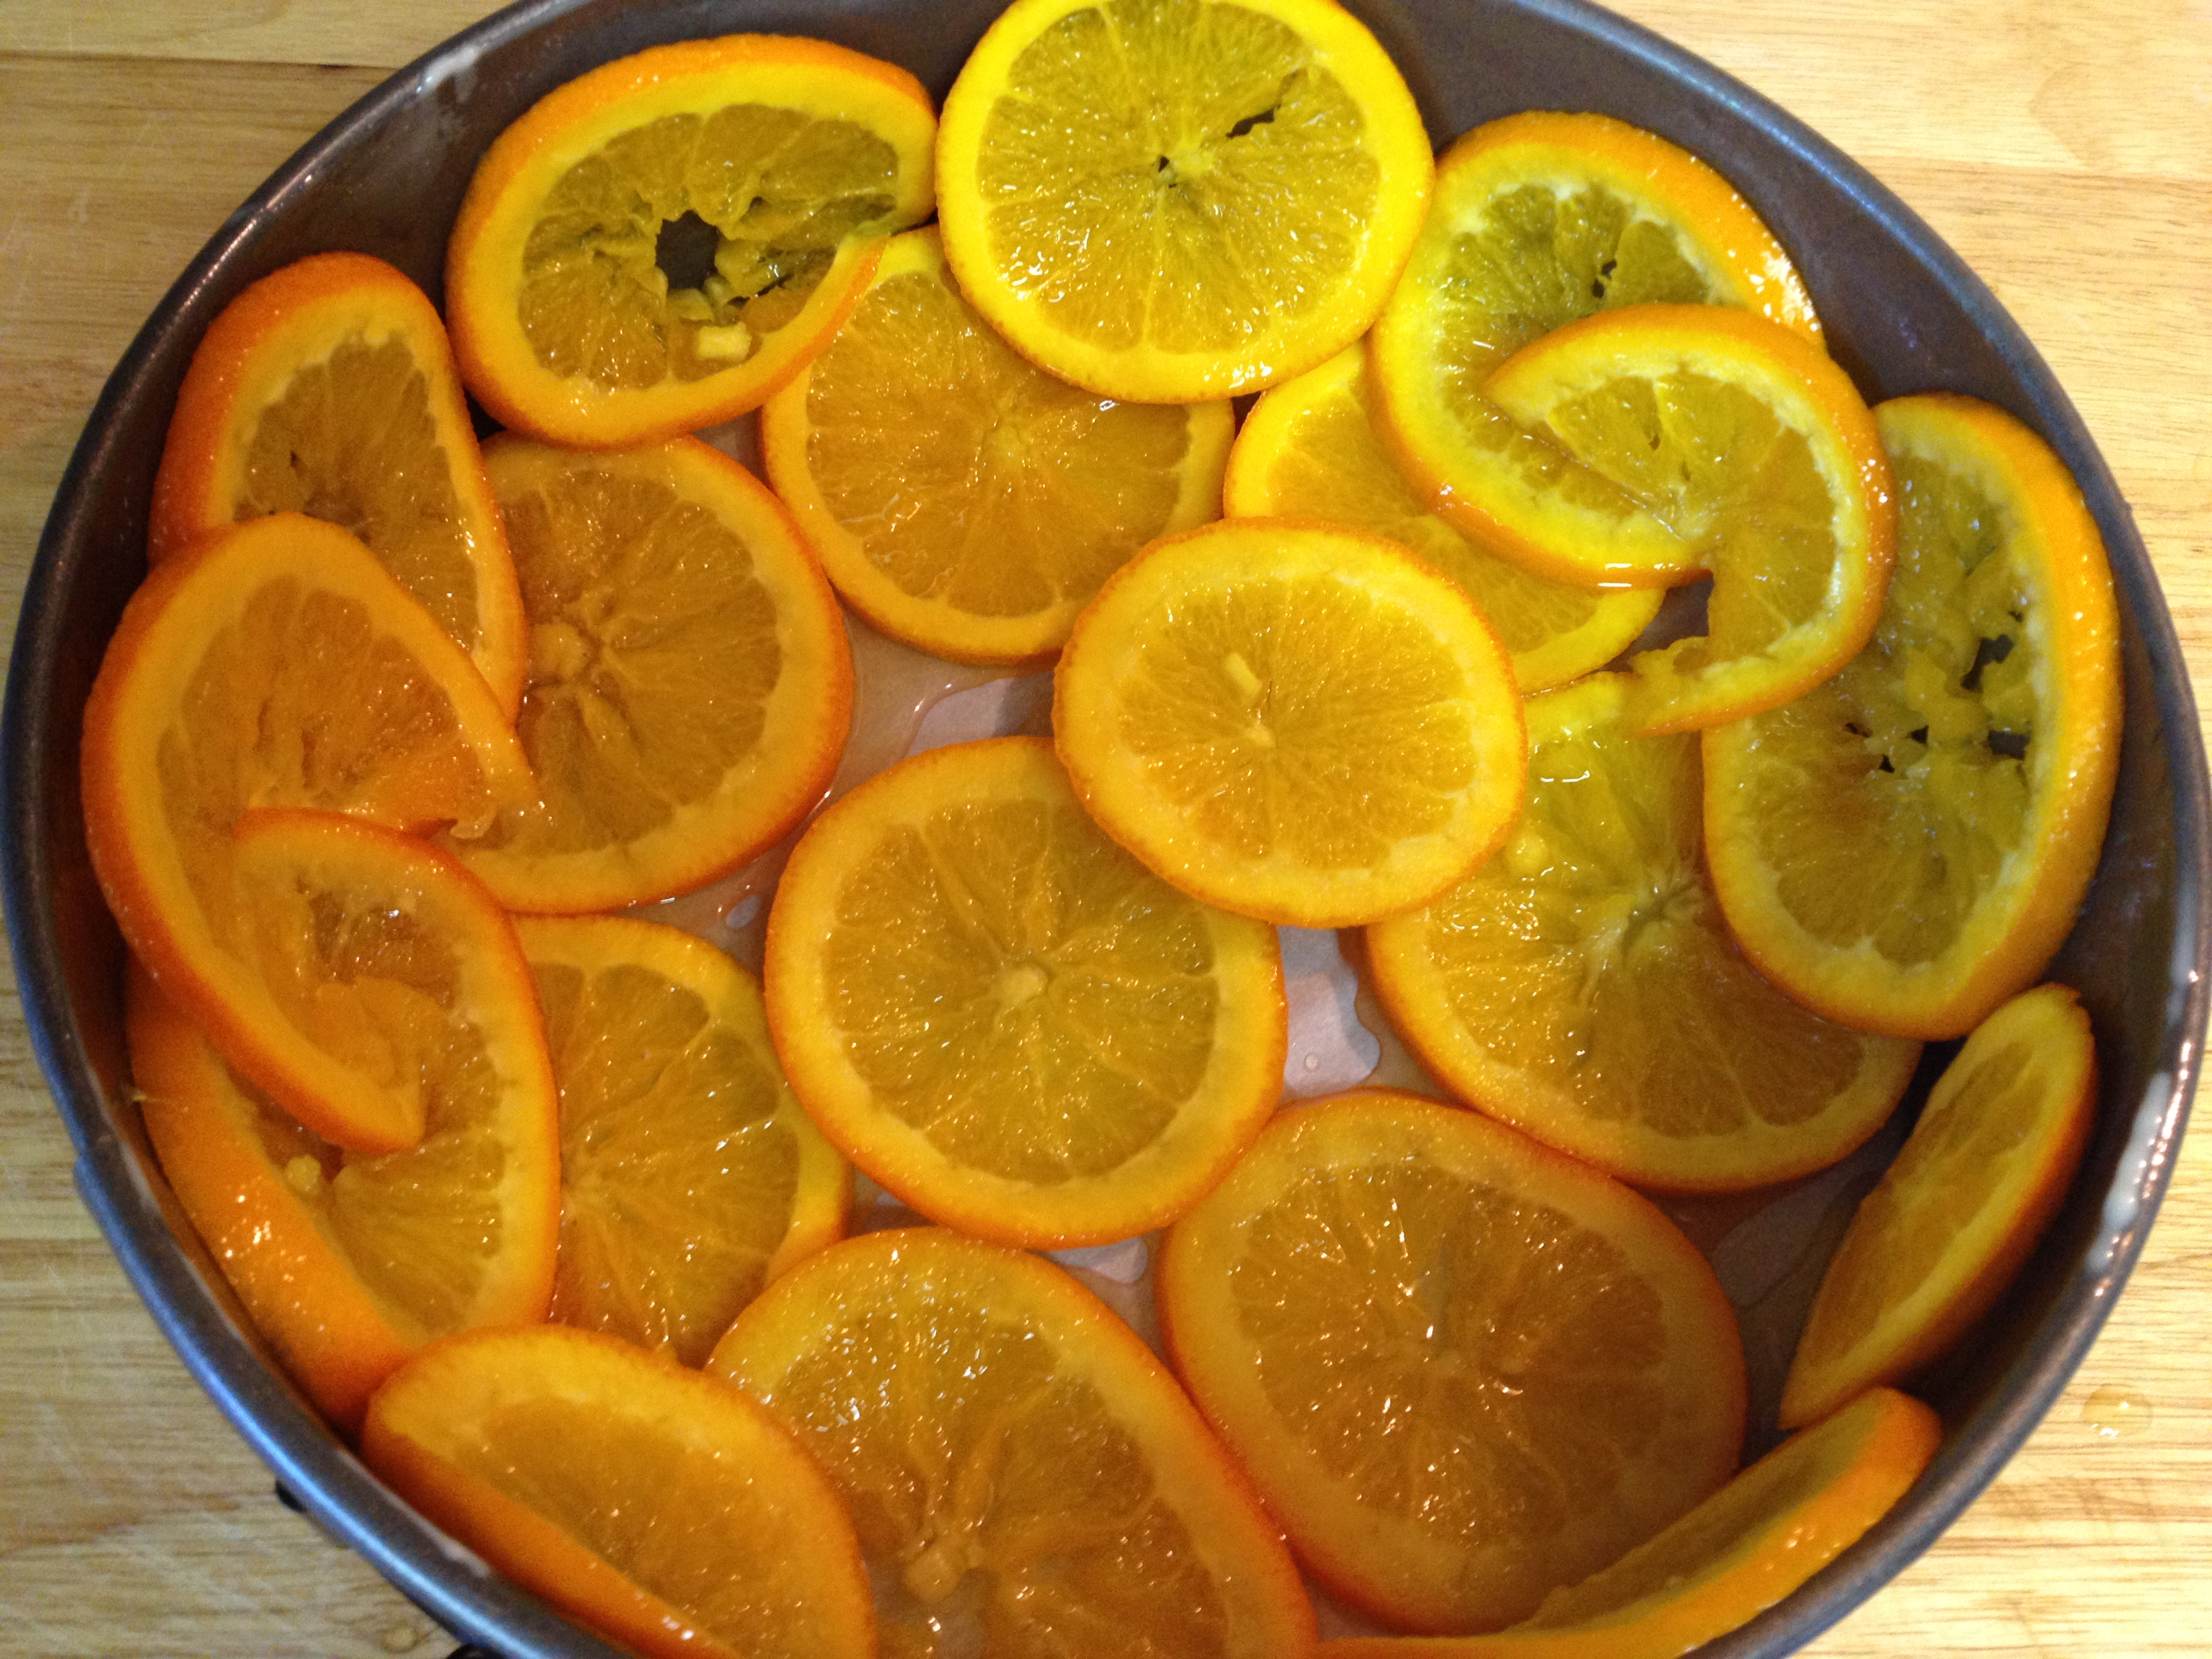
(1903, 314)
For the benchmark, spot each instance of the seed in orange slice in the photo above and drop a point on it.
(328, 388)
(657, 245)
(1309, 450)
(1540, 219)
(348, 1264)
(1171, 202)
(1905, 846)
(1020, 1466)
(1292, 720)
(657, 1505)
(1736, 1554)
(1460, 1369)
(1736, 448)
(1005, 1019)
(689, 1177)
(1960, 1208)
(962, 499)
(276, 663)
(690, 681)
(1583, 986)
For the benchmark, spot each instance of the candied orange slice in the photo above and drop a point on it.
(1005, 1019)
(658, 244)
(1017, 1462)
(1460, 1369)
(658, 1505)
(328, 388)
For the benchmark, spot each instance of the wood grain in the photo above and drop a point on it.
(2065, 151)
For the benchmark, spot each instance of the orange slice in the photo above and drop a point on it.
(1905, 846)
(1309, 450)
(1736, 1554)
(1583, 986)
(1019, 1465)
(1734, 447)
(962, 499)
(1460, 1369)
(1172, 203)
(278, 664)
(690, 683)
(657, 245)
(1291, 721)
(688, 1176)
(1959, 1209)
(660, 1507)
(348, 1264)
(1005, 1019)
(328, 388)
(1540, 219)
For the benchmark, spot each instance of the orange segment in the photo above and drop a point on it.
(1025, 1477)
(1309, 450)
(1540, 219)
(1959, 1209)
(1003, 1018)
(961, 499)
(1168, 204)
(658, 244)
(1583, 986)
(660, 1506)
(1292, 721)
(328, 388)
(1460, 1369)
(1905, 846)
(690, 683)
(688, 1176)
(347, 1264)
(1734, 447)
(1736, 1554)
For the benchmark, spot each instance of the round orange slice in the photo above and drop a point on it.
(1167, 204)
(690, 681)
(1540, 219)
(1960, 1208)
(1005, 1019)
(658, 244)
(348, 1264)
(1309, 450)
(1736, 448)
(328, 388)
(1583, 986)
(1291, 721)
(1907, 846)
(1017, 1462)
(1730, 1559)
(962, 499)
(689, 1177)
(1460, 1369)
(658, 1505)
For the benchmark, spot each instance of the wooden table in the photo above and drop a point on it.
(2064, 150)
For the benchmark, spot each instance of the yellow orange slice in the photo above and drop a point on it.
(689, 1177)
(1460, 1369)
(962, 499)
(1003, 1018)
(1019, 1465)
(1905, 846)
(1309, 450)
(1171, 202)
(328, 388)
(658, 1505)
(657, 245)
(1291, 721)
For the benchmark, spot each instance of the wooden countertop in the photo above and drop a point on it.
(2064, 150)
